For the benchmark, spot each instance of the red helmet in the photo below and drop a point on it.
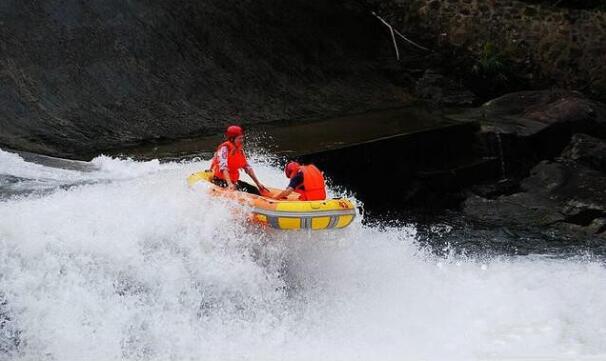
(234, 131)
(291, 169)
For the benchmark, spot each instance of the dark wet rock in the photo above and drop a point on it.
(80, 77)
(455, 234)
(492, 190)
(553, 177)
(587, 150)
(443, 90)
(563, 196)
(519, 209)
(523, 128)
(531, 113)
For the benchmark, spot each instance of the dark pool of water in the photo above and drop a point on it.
(294, 138)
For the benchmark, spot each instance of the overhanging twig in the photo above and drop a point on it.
(393, 36)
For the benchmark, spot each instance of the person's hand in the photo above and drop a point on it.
(231, 187)
(265, 192)
(262, 188)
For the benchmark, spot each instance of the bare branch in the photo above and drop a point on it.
(411, 42)
(393, 38)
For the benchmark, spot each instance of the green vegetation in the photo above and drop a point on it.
(491, 64)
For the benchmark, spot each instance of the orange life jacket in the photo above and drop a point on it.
(236, 160)
(313, 187)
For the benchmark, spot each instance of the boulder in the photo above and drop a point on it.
(566, 196)
(529, 113)
(519, 209)
(524, 127)
(587, 150)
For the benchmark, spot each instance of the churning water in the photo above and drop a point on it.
(117, 259)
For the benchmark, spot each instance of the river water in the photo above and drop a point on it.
(117, 259)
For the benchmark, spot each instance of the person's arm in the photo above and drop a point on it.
(222, 153)
(295, 182)
(248, 169)
(284, 193)
(230, 184)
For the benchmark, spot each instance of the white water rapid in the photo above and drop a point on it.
(118, 259)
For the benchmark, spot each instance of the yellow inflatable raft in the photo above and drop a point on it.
(288, 214)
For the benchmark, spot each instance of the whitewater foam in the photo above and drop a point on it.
(134, 265)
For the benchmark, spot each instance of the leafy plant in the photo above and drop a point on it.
(491, 63)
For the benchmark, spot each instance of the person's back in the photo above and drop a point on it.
(307, 181)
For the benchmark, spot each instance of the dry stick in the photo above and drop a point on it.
(393, 37)
(411, 42)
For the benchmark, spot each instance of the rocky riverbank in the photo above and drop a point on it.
(567, 195)
(554, 174)
(530, 162)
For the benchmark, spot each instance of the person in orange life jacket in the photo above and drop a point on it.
(228, 161)
(307, 180)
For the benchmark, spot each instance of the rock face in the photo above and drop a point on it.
(529, 113)
(553, 152)
(568, 195)
(80, 77)
(525, 127)
(441, 90)
(588, 151)
(535, 42)
(489, 152)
